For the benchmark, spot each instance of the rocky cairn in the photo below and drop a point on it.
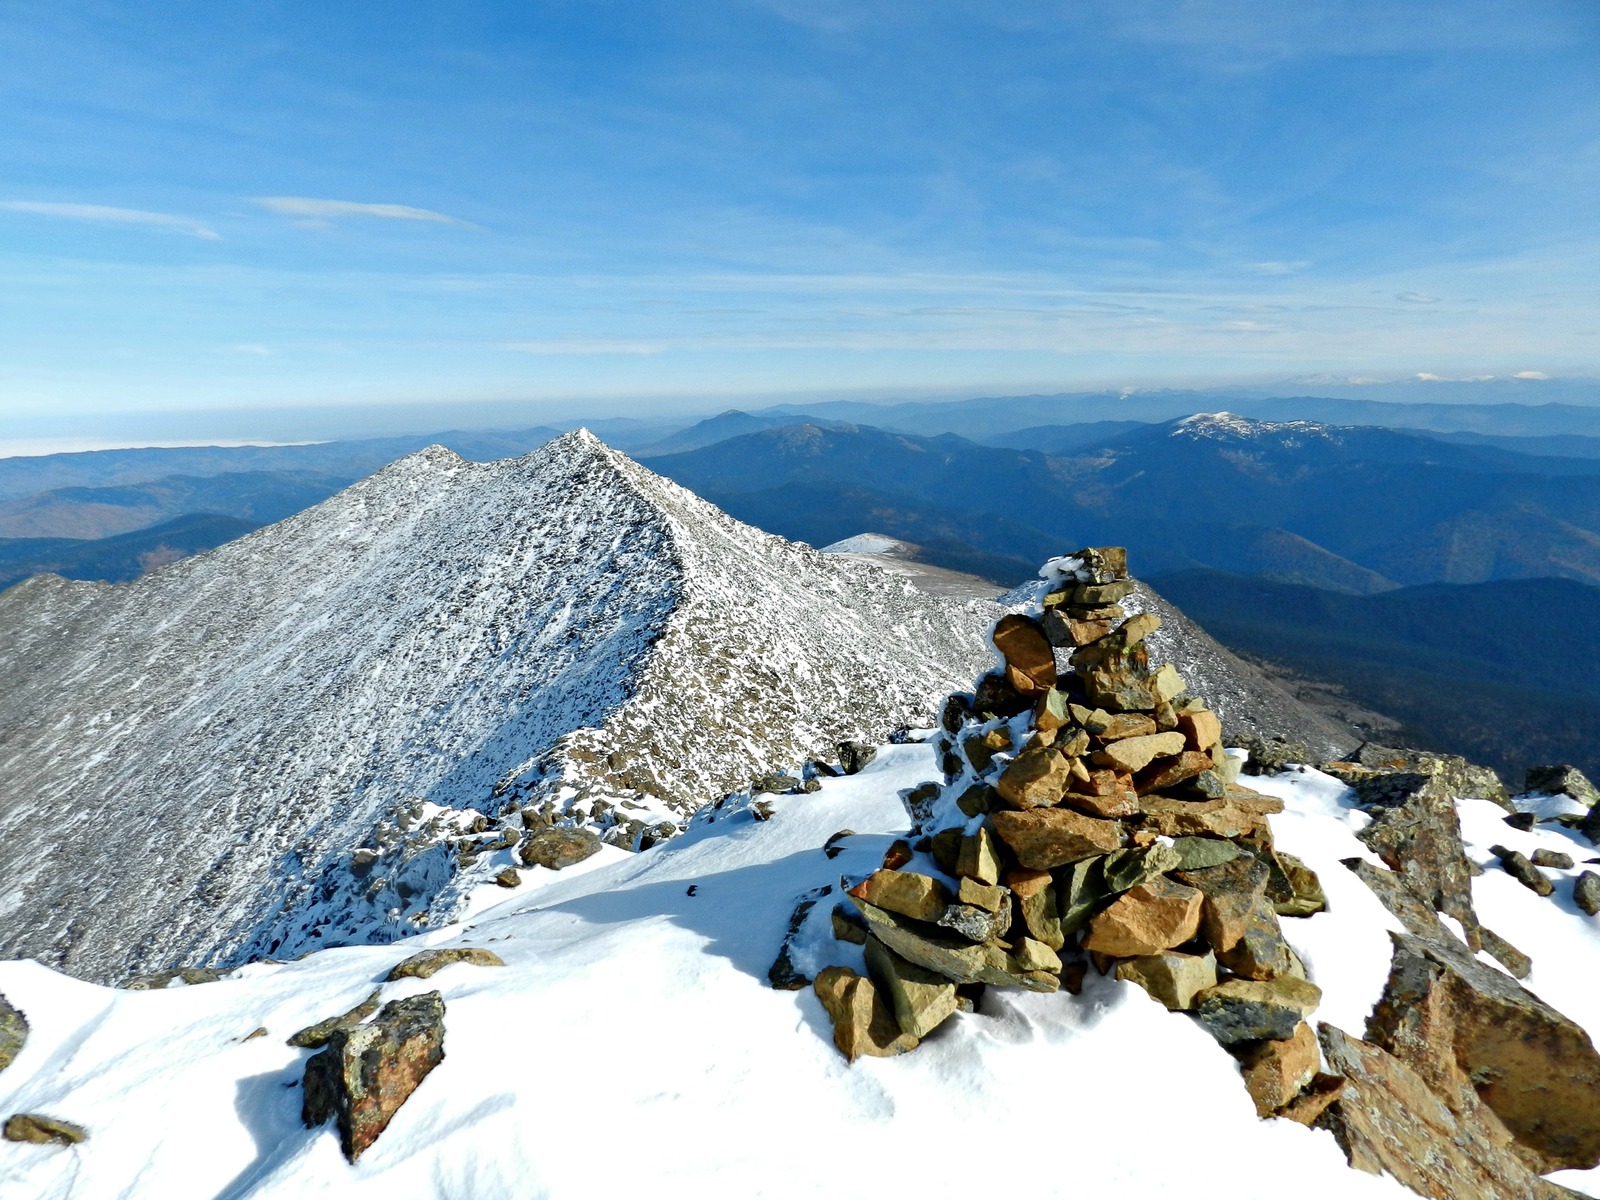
(1089, 816)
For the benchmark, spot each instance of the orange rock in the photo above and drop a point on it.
(1148, 919)
(1276, 1071)
(1047, 838)
(1030, 661)
(1202, 728)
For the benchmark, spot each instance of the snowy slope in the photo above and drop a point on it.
(632, 1047)
(187, 762)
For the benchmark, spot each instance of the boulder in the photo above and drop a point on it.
(1562, 779)
(1068, 631)
(1125, 725)
(1108, 806)
(1388, 886)
(1517, 866)
(1171, 977)
(557, 848)
(1171, 772)
(904, 892)
(1118, 689)
(848, 926)
(1036, 778)
(509, 878)
(425, 964)
(1133, 754)
(1148, 919)
(1247, 1010)
(1275, 1071)
(1232, 891)
(1553, 859)
(1166, 684)
(1030, 661)
(1455, 774)
(957, 960)
(1387, 1121)
(978, 857)
(1237, 815)
(1125, 869)
(43, 1131)
(863, 1021)
(1586, 892)
(363, 1075)
(1046, 838)
(188, 976)
(1472, 1032)
(1201, 729)
(986, 896)
(1416, 832)
(1308, 898)
(1504, 953)
(920, 998)
(854, 756)
(1260, 952)
(1035, 956)
(1080, 890)
(1198, 853)
(13, 1032)
(314, 1037)
(1036, 905)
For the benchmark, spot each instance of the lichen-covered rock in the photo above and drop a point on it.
(314, 1037)
(188, 976)
(956, 959)
(1517, 866)
(1586, 892)
(1244, 1010)
(1416, 832)
(1469, 1030)
(1034, 894)
(13, 1032)
(1562, 779)
(43, 1131)
(425, 964)
(558, 847)
(363, 1075)
(1308, 898)
(1233, 891)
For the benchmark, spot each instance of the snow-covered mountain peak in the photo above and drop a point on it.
(565, 630)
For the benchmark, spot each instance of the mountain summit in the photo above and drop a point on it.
(209, 744)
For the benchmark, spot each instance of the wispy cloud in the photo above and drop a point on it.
(1416, 298)
(108, 215)
(584, 346)
(320, 214)
(1279, 268)
(1530, 375)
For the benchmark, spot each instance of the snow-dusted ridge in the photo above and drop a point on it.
(187, 762)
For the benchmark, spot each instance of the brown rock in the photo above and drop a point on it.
(1524, 872)
(1275, 1071)
(364, 1074)
(1474, 1033)
(1046, 838)
(1201, 729)
(1150, 918)
(920, 999)
(1166, 683)
(558, 848)
(1052, 710)
(1126, 725)
(1036, 778)
(1108, 805)
(904, 892)
(955, 958)
(1233, 893)
(1030, 662)
(1139, 626)
(1310, 1104)
(1308, 898)
(1247, 1010)
(1118, 689)
(314, 1037)
(863, 1022)
(43, 1131)
(981, 895)
(1170, 772)
(1230, 817)
(1035, 896)
(1389, 1122)
(897, 855)
(1133, 754)
(978, 857)
(848, 926)
(1035, 957)
(1172, 978)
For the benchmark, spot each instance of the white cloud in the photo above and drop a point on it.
(1279, 268)
(1416, 298)
(1247, 327)
(319, 213)
(1530, 375)
(255, 349)
(115, 216)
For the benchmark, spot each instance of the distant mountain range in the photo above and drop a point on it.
(1352, 509)
(1488, 670)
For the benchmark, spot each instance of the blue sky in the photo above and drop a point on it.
(266, 219)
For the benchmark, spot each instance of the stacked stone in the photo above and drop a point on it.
(1089, 815)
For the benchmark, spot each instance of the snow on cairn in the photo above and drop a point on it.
(279, 745)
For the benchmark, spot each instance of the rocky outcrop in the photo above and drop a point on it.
(1474, 1035)
(1389, 1121)
(364, 1074)
(425, 964)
